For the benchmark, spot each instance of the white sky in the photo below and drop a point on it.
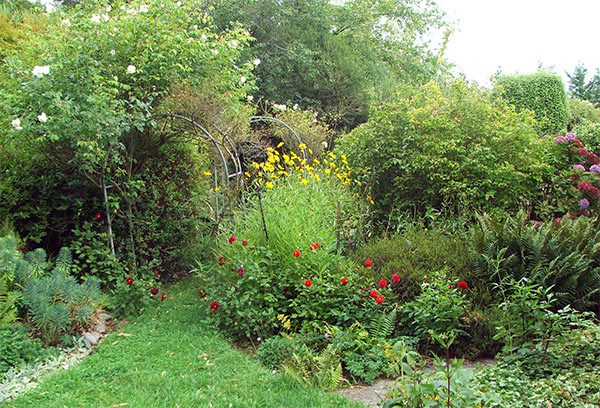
(518, 35)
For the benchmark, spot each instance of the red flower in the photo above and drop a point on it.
(154, 291)
(396, 278)
(296, 253)
(195, 212)
(156, 272)
(162, 296)
(98, 216)
(382, 283)
(463, 285)
(129, 281)
(307, 283)
(373, 294)
(214, 306)
(241, 271)
(244, 243)
(379, 299)
(450, 286)
(581, 151)
(315, 246)
(232, 239)
(221, 261)
(368, 263)
(344, 281)
(201, 293)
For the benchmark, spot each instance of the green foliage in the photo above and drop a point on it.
(260, 278)
(559, 255)
(582, 112)
(110, 73)
(329, 57)
(446, 149)
(589, 134)
(323, 370)
(543, 93)
(17, 348)
(58, 304)
(439, 309)
(8, 311)
(412, 254)
(274, 351)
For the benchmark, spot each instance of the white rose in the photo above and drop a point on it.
(16, 123)
(131, 69)
(256, 62)
(42, 117)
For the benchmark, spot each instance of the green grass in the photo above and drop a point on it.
(172, 358)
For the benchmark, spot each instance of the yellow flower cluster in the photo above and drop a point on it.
(306, 171)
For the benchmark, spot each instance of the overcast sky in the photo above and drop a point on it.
(518, 35)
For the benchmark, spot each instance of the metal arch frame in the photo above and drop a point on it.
(255, 119)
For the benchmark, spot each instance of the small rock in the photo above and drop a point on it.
(91, 337)
(104, 317)
(100, 328)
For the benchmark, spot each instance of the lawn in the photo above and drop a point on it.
(171, 357)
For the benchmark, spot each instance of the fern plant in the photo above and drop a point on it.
(564, 256)
(323, 370)
(383, 324)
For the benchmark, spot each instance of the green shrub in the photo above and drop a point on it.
(561, 255)
(412, 255)
(589, 134)
(543, 93)
(445, 149)
(582, 112)
(438, 310)
(274, 351)
(17, 348)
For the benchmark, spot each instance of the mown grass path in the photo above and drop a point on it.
(169, 357)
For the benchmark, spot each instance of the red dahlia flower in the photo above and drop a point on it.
(396, 278)
(129, 281)
(368, 263)
(221, 261)
(154, 291)
(379, 299)
(98, 216)
(373, 294)
(244, 243)
(195, 212)
(344, 281)
(307, 283)
(296, 253)
(463, 285)
(232, 239)
(382, 283)
(241, 271)
(214, 306)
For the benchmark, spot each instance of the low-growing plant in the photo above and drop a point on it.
(18, 348)
(274, 351)
(440, 309)
(323, 370)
